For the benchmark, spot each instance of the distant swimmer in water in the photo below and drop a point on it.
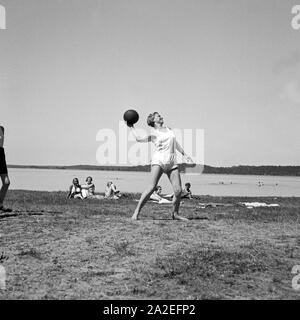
(163, 161)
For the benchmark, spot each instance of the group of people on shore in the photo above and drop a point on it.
(87, 190)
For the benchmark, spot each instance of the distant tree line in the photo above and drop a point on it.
(242, 170)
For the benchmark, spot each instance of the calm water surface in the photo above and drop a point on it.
(202, 184)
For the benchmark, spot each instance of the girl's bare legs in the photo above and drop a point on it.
(5, 186)
(156, 173)
(174, 177)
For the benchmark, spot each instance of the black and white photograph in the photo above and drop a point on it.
(149, 151)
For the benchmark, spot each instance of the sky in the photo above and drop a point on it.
(69, 68)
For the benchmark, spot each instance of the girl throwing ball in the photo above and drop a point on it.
(163, 161)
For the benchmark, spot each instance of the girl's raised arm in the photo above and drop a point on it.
(138, 138)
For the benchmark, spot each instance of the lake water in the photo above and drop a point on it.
(202, 184)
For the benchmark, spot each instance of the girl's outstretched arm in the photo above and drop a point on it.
(138, 138)
(180, 149)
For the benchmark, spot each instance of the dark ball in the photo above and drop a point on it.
(131, 117)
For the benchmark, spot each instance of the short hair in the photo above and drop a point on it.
(88, 178)
(188, 185)
(150, 119)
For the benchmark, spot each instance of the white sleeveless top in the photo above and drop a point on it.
(165, 145)
(164, 142)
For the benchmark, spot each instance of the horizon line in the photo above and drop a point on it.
(143, 165)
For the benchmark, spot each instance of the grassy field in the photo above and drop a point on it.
(54, 248)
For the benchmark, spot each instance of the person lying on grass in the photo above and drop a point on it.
(156, 196)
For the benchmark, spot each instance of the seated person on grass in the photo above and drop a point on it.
(88, 189)
(75, 190)
(111, 191)
(186, 192)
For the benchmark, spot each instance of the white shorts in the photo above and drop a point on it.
(166, 161)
